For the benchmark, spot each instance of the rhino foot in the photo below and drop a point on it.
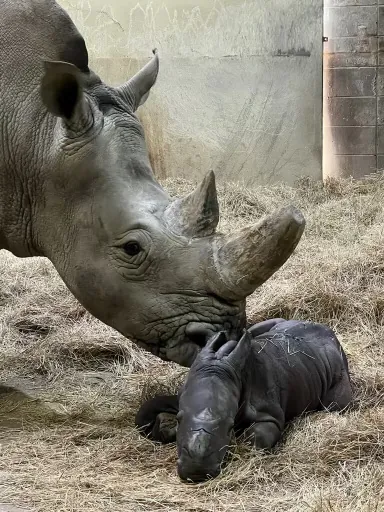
(156, 418)
(263, 435)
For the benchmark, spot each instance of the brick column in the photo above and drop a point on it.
(380, 88)
(353, 88)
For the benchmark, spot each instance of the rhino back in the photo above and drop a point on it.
(31, 31)
(295, 366)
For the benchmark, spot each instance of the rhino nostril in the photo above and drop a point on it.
(197, 474)
(198, 333)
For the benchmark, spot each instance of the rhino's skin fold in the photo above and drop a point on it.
(77, 187)
(277, 371)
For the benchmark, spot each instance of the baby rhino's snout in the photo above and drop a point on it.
(197, 461)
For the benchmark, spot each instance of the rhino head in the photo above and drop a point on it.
(208, 405)
(152, 268)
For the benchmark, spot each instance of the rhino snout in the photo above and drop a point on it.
(196, 466)
(197, 474)
(198, 458)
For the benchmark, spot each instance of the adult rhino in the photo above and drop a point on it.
(76, 186)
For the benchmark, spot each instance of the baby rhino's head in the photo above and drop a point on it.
(209, 402)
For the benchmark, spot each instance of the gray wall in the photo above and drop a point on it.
(353, 87)
(240, 84)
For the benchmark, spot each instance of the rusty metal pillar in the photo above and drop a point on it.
(353, 109)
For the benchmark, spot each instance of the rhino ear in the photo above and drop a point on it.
(238, 353)
(216, 341)
(62, 93)
(136, 91)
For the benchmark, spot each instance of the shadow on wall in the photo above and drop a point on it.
(155, 123)
(240, 84)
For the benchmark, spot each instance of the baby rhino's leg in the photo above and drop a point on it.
(263, 435)
(339, 396)
(156, 418)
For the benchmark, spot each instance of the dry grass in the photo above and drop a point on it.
(68, 442)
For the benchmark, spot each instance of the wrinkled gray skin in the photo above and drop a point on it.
(76, 186)
(276, 372)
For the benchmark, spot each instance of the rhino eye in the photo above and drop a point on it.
(132, 248)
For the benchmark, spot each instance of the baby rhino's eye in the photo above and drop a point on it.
(132, 248)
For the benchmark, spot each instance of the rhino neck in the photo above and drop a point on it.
(26, 167)
(24, 123)
(3, 242)
(21, 197)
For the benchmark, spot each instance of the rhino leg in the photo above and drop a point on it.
(156, 418)
(263, 435)
(339, 396)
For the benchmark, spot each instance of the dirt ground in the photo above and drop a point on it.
(71, 385)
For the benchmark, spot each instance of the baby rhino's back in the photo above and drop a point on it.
(304, 367)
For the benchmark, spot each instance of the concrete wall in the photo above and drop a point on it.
(353, 87)
(240, 83)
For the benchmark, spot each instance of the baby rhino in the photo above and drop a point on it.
(278, 370)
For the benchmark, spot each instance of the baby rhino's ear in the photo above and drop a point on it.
(236, 352)
(215, 342)
(208, 353)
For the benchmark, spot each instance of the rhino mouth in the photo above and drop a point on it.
(194, 469)
(199, 333)
(184, 349)
(198, 477)
(180, 337)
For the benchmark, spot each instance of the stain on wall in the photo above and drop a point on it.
(240, 83)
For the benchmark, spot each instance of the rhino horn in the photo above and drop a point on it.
(136, 91)
(246, 260)
(197, 214)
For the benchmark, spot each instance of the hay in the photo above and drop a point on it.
(69, 442)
